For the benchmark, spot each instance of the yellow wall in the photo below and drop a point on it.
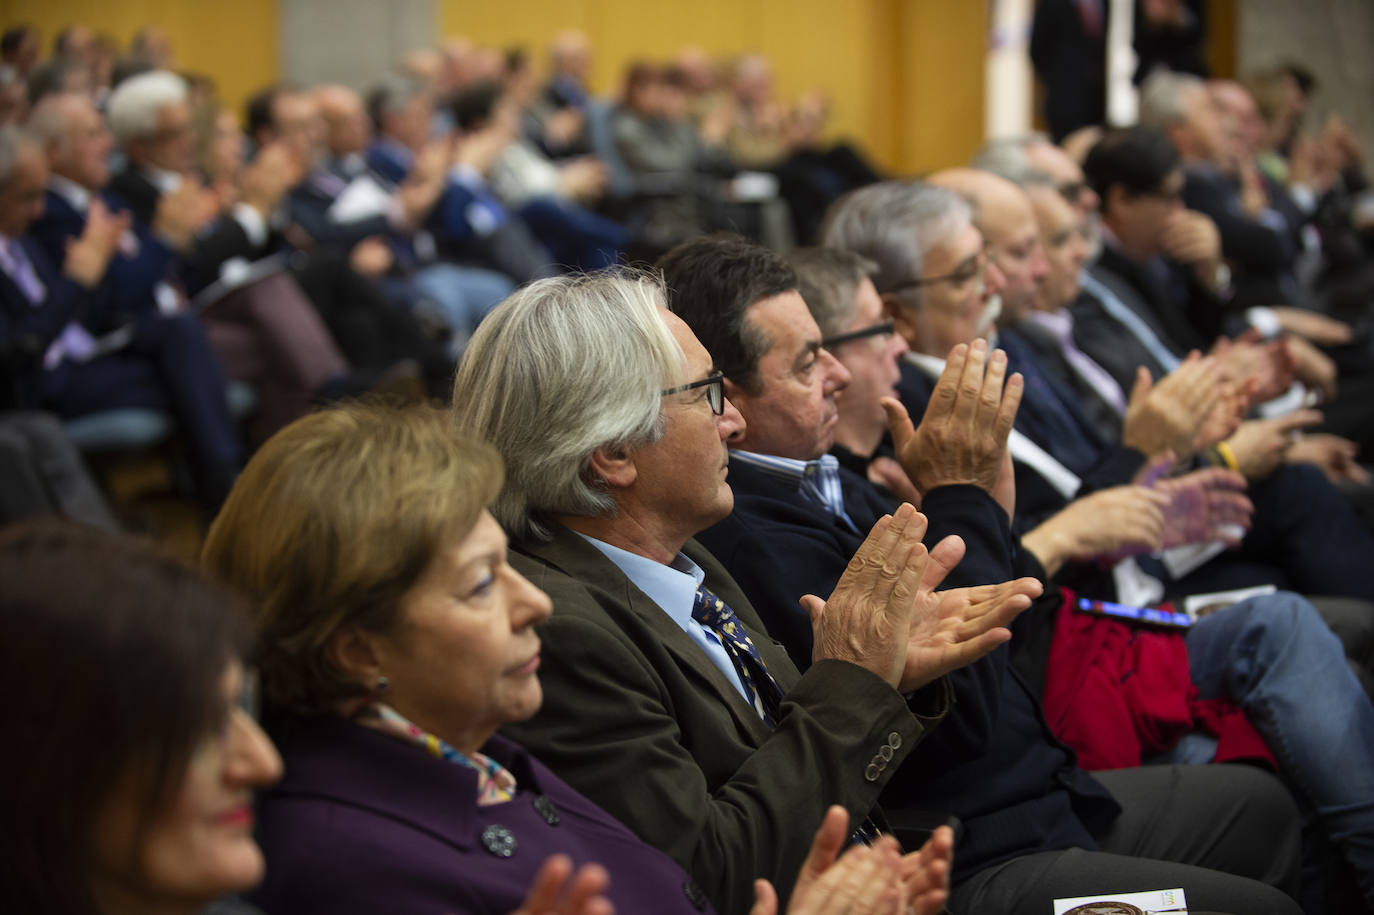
(905, 76)
(234, 41)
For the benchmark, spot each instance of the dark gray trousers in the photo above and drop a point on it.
(1229, 835)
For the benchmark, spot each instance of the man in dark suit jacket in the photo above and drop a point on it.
(1068, 47)
(53, 356)
(614, 442)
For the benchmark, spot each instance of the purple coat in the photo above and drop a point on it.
(364, 823)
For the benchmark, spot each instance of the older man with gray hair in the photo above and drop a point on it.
(665, 699)
(150, 116)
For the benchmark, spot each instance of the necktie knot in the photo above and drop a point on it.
(710, 610)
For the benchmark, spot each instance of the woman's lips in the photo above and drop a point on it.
(239, 816)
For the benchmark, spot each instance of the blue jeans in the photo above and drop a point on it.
(462, 296)
(1277, 659)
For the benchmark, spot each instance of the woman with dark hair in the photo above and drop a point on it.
(130, 761)
(395, 641)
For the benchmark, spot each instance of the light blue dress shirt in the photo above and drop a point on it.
(673, 588)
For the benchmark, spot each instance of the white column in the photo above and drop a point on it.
(352, 42)
(1008, 86)
(1122, 98)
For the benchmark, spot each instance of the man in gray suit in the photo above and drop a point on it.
(666, 701)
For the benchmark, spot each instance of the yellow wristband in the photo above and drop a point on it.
(1228, 455)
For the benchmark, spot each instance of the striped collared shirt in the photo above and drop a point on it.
(817, 480)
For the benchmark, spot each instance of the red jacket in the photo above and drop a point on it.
(1117, 692)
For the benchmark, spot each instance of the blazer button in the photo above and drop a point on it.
(499, 840)
(872, 772)
(546, 809)
(695, 894)
(894, 740)
(885, 752)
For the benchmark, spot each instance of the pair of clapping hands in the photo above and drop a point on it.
(865, 880)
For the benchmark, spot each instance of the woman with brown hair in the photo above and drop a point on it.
(130, 759)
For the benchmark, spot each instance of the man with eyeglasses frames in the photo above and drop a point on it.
(665, 698)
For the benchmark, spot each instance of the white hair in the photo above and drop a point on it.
(894, 224)
(50, 122)
(559, 369)
(1164, 98)
(1008, 157)
(12, 140)
(135, 103)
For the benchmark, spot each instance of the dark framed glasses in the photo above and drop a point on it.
(715, 391)
(877, 330)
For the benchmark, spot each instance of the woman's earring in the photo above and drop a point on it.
(382, 684)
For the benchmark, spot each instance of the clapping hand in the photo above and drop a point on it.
(89, 255)
(963, 436)
(558, 891)
(872, 880)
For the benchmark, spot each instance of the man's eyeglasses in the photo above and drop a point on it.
(715, 391)
(970, 271)
(877, 330)
(1072, 190)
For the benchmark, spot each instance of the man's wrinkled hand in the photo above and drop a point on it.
(1108, 524)
(867, 619)
(1168, 416)
(963, 436)
(1204, 506)
(954, 628)
(1260, 445)
(1335, 456)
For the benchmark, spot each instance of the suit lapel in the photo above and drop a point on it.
(568, 553)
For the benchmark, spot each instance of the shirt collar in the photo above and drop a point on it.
(673, 587)
(166, 182)
(1058, 323)
(70, 191)
(817, 480)
(931, 365)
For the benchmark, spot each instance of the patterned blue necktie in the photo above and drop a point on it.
(760, 688)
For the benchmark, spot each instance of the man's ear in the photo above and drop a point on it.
(614, 465)
(1114, 200)
(353, 651)
(902, 324)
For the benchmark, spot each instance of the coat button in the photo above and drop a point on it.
(546, 809)
(872, 772)
(885, 752)
(499, 840)
(695, 894)
(894, 740)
